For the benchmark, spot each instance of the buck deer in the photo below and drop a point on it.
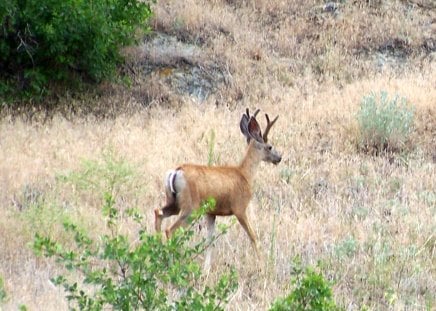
(189, 184)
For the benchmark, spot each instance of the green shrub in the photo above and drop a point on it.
(148, 274)
(44, 42)
(123, 270)
(385, 123)
(43, 215)
(109, 173)
(3, 295)
(311, 292)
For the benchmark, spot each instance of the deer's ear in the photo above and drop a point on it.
(254, 130)
(243, 125)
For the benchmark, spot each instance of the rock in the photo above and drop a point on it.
(181, 66)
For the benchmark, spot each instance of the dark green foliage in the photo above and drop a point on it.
(49, 41)
(311, 292)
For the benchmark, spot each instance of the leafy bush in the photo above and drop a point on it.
(121, 270)
(384, 123)
(45, 41)
(311, 292)
(42, 214)
(124, 275)
(109, 173)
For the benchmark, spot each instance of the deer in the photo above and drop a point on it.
(187, 186)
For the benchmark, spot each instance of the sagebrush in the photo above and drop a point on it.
(385, 122)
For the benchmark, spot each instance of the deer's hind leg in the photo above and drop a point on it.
(187, 201)
(170, 209)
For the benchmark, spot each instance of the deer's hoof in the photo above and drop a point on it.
(158, 213)
(168, 233)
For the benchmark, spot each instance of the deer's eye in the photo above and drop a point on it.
(269, 147)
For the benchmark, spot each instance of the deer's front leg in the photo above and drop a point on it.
(210, 234)
(243, 220)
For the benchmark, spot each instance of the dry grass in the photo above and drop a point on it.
(369, 221)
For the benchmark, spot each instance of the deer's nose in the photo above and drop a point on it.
(277, 160)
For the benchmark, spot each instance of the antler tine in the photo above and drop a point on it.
(247, 112)
(269, 124)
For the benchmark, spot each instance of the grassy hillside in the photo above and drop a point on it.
(368, 221)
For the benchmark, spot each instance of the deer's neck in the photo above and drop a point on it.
(250, 162)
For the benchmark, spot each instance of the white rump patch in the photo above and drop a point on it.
(174, 181)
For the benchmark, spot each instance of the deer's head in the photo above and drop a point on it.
(251, 130)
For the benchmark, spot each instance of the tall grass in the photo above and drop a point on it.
(366, 222)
